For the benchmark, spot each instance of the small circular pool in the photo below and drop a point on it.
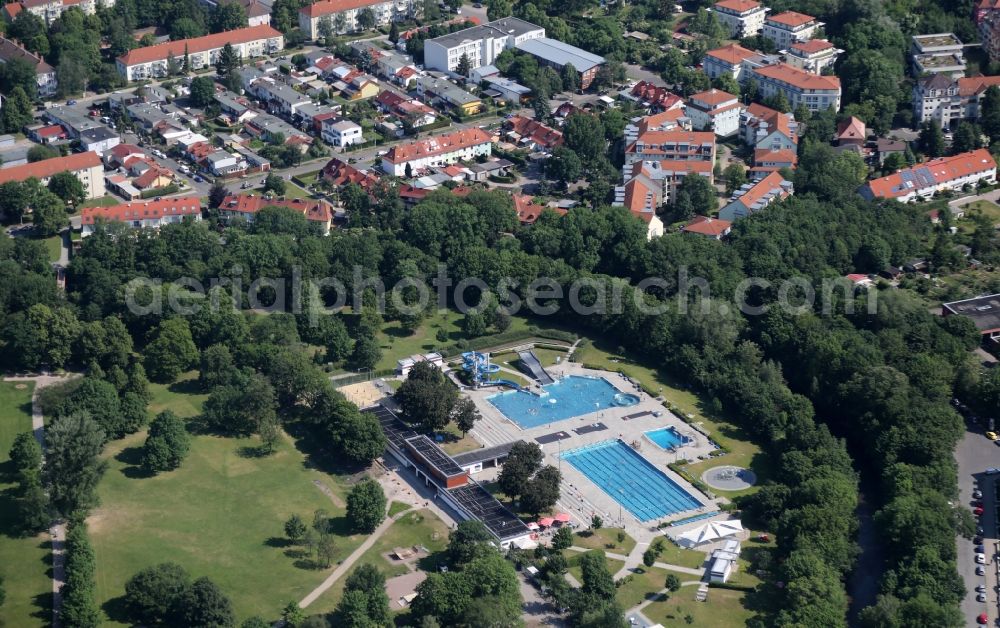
(626, 399)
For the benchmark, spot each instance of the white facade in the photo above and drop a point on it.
(481, 44)
(49, 10)
(812, 58)
(341, 16)
(341, 132)
(203, 52)
(742, 18)
(800, 88)
(714, 111)
(788, 28)
(442, 150)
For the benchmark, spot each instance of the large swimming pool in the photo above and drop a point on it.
(569, 397)
(631, 480)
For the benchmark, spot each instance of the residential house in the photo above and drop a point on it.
(714, 110)
(415, 112)
(151, 214)
(800, 88)
(481, 45)
(481, 171)
(98, 140)
(334, 17)
(815, 55)
(528, 211)
(714, 228)
(246, 206)
(532, 134)
(117, 156)
(311, 116)
(922, 181)
(742, 18)
(87, 167)
(753, 197)
(949, 101)
(790, 27)
(440, 90)
(886, 146)
(765, 128)
(202, 52)
(45, 134)
(676, 144)
(269, 128)
(654, 97)
(851, 131)
(766, 161)
(938, 53)
(278, 98)
(45, 74)
(659, 180)
(223, 164)
(463, 145)
(341, 132)
(339, 173)
(236, 108)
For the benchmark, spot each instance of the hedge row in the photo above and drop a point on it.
(164, 191)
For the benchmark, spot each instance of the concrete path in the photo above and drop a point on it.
(346, 565)
(57, 530)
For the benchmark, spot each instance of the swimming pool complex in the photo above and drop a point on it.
(567, 398)
(667, 438)
(631, 480)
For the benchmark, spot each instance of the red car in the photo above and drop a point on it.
(977, 511)
(982, 619)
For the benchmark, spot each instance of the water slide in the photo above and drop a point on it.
(530, 361)
(502, 382)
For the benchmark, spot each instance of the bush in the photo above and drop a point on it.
(164, 191)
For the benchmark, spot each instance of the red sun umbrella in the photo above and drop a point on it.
(562, 517)
(545, 521)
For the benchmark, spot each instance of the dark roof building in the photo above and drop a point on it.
(984, 312)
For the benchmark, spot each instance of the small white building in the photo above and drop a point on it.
(724, 561)
(714, 110)
(813, 56)
(404, 365)
(439, 150)
(341, 132)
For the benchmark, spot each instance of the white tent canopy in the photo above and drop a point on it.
(709, 532)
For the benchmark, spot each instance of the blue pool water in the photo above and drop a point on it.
(666, 438)
(631, 480)
(569, 397)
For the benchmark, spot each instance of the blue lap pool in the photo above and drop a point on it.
(667, 438)
(631, 480)
(567, 398)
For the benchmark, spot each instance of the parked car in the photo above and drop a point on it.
(981, 559)
(981, 597)
(198, 179)
(980, 549)
(977, 494)
(980, 588)
(982, 619)
(980, 570)
(70, 102)
(992, 471)
(992, 435)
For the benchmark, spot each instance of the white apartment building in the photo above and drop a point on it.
(341, 132)
(815, 55)
(924, 180)
(732, 59)
(743, 18)
(440, 150)
(49, 10)
(714, 110)
(938, 97)
(87, 167)
(800, 88)
(152, 61)
(785, 29)
(45, 74)
(481, 44)
(341, 16)
(142, 214)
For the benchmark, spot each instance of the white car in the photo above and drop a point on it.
(981, 597)
(992, 471)
(980, 588)
(981, 559)
(980, 570)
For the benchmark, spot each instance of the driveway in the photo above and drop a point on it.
(975, 453)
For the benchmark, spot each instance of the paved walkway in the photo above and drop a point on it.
(57, 530)
(348, 562)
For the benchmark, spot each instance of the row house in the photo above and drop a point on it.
(742, 18)
(202, 52)
(142, 214)
(675, 145)
(815, 55)
(653, 97)
(416, 113)
(312, 116)
(246, 206)
(532, 134)
(336, 17)
(87, 167)
(753, 197)
(714, 110)
(278, 98)
(922, 181)
(801, 89)
(949, 101)
(49, 10)
(449, 148)
(790, 27)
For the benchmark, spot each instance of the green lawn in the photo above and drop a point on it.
(644, 585)
(53, 246)
(987, 208)
(101, 201)
(183, 397)
(397, 507)
(291, 191)
(604, 539)
(220, 515)
(723, 609)
(418, 528)
(573, 558)
(694, 409)
(673, 555)
(24, 561)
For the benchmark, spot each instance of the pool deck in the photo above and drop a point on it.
(581, 498)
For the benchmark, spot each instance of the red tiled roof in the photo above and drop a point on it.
(703, 225)
(657, 120)
(762, 155)
(675, 166)
(341, 173)
(143, 210)
(738, 6)
(528, 211)
(713, 97)
(437, 145)
(975, 85)
(733, 54)
(798, 78)
(149, 177)
(162, 51)
(53, 130)
(762, 188)
(251, 204)
(48, 167)
(852, 129)
(939, 170)
(536, 131)
(13, 9)
(791, 18)
(654, 140)
(329, 7)
(656, 96)
(812, 46)
(122, 151)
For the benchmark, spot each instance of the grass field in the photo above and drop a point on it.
(53, 246)
(573, 558)
(418, 528)
(723, 609)
(220, 515)
(695, 409)
(987, 208)
(103, 201)
(644, 586)
(673, 555)
(604, 539)
(24, 561)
